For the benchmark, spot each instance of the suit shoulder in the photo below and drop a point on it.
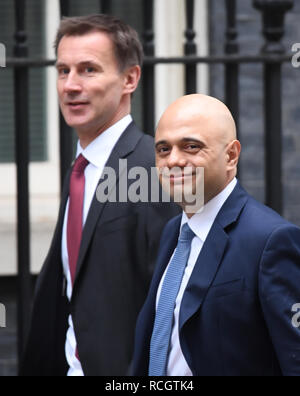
(261, 217)
(145, 151)
(144, 139)
(147, 141)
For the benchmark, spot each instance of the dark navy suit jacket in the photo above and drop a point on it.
(236, 314)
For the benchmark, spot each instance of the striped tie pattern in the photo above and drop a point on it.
(163, 324)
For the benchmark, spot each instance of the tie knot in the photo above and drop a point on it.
(186, 233)
(80, 164)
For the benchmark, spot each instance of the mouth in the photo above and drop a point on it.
(76, 105)
(179, 178)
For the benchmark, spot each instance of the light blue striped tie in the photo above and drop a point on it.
(160, 341)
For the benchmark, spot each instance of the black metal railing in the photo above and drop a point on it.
(272, 57)
(21, 79)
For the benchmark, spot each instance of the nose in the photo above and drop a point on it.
(176, 159)
(72, 83)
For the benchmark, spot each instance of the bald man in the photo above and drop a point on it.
(225, 296)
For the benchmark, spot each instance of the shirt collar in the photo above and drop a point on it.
(202, 222)
(104, 143)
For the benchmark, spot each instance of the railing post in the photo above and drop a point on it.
(65, 134)
(64, 7)
(273, 13)
(232, 69)
(232, 92)
(21, 84)
(105, 6)
(190, 49)
(148, 70)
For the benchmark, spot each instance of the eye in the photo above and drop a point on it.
(162, 150)
(63, 71)
(89, 69)
(192, 147)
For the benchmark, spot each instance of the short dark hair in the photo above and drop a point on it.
(127, 45)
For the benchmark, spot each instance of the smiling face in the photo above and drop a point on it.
(93, 93)
(198, 132)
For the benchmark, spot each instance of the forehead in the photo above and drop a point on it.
(177, 131)
(95, 45)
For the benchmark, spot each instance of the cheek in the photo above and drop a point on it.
(198, 161)
(108, 95)
(158, 161)
(59, 88)
(111, 83)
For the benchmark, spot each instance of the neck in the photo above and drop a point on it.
(88, 135)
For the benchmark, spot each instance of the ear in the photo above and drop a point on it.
(233, 154)
(131, 79)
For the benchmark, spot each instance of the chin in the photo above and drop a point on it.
(77, 124)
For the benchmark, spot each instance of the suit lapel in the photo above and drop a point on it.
(65, 196)
(147, 315)
(204, 272)
(168, 245)
(53, 260)
(124, 147)
(211, 255)
(56, 244)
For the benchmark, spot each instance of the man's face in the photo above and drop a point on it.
(190, 144)
(90, 85)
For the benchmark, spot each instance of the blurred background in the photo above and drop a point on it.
(239, 51)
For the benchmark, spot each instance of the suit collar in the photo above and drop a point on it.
(128, 141)
(232, 207)
(99, 150)
(202, 221)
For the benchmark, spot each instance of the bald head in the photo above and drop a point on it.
(201, 109)
(198, 131)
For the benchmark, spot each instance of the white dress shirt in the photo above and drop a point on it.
(200, 224)
(97, 153)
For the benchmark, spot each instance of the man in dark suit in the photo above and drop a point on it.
(98, 270)
(225, 292)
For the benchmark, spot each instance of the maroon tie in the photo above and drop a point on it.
(75, 216)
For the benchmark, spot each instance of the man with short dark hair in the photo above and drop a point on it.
(98, 269)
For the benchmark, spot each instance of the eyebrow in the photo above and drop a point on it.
(184, 140)
(59, 64)
(84, 63)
